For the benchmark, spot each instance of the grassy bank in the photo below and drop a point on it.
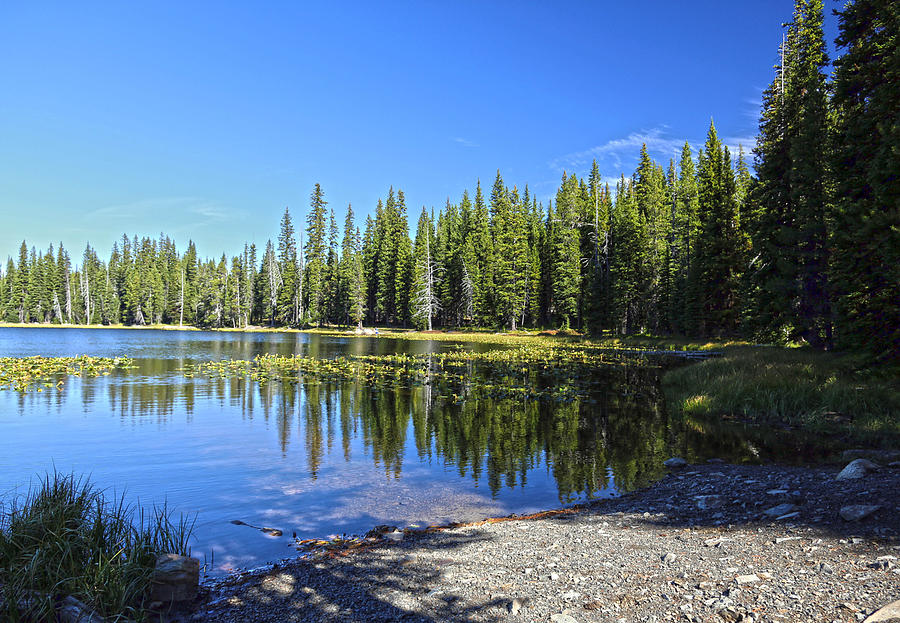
(791, 388)
(64, 538)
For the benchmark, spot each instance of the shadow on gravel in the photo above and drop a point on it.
(782, 498)
(385, 584)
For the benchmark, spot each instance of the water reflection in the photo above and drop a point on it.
(498, 441)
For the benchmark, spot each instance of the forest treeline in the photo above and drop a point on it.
(807, 249)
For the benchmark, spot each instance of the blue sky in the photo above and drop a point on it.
(204, 120)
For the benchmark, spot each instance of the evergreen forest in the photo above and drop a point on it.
(805, 247)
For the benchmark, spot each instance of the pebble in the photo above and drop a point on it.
(780, 510)
(675, 462)
(562, 618)
(747, 579)
(857, 512)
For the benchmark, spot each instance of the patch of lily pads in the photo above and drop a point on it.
(38, 373)
(560, 373)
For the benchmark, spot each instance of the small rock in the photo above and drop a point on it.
(776, 491)
(780, 510)
(784, 539)
(824, 567)
(562, 618)
(73, 611)
(888, 613)
(670, 557)
(396, 536)
(894, 464)
(175, 578)
(857, 469)
(675, 462)
(517, 604)
(857, 512)
(569, 595)
(730, 615)
(747, 579)
(705, 502)
(554, 576)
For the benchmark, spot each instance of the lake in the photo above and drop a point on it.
(327, 457)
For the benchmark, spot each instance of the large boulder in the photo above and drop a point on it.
(175, 579)
(857, 512)
(857, 469)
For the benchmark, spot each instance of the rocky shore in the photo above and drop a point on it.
(711, 542)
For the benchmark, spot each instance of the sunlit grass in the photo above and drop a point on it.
(796, 387)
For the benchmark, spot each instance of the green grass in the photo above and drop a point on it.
(64, 537)
(791, 387)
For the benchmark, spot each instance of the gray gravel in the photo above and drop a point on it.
(703, 544)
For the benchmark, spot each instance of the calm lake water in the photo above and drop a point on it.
(321, 458)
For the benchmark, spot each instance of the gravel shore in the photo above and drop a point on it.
(710, 542)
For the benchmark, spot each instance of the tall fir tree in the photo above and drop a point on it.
(788, 226)
(719, 252)
(288, 308)
(865, 263)
(315, 257)
(510, 254)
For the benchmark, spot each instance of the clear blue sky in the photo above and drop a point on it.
(204, 120)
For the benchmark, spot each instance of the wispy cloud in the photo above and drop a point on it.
(615, 153)
(167, 208)
(464, 142)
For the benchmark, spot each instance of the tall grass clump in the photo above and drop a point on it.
(65, 538)
(796, 387)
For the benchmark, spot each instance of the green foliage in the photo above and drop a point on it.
(719, 253)
(789, 287)
(865, 258)
(790, 386)
(64, 538)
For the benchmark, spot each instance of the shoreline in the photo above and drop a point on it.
(700, 545)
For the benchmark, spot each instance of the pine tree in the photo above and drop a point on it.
(627, 263)
(685, 232)
(719, 252)
(352, 273)
(315, 257)
(404, 267)
(866, 217)
(510, 254)
(287, 304)
(565, 252)
(269, 284)
(424, 302)
(333, 294)
(654, 212)
(791, 201)
(481, 272)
